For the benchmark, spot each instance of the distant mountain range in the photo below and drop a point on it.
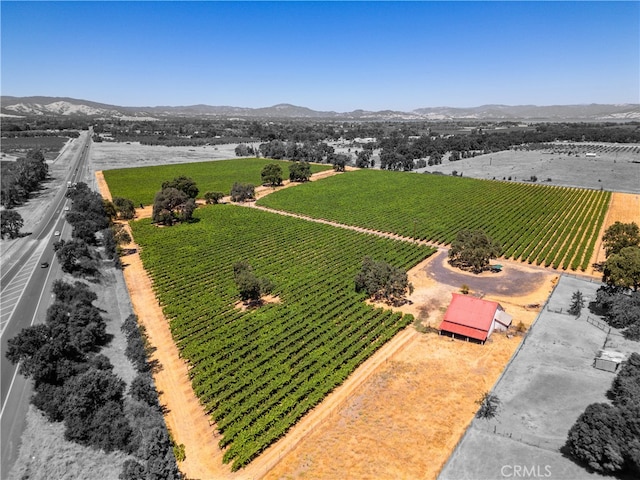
(63, 106)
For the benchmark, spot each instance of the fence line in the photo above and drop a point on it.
(497, 382)
(520, 437)
(598, 324)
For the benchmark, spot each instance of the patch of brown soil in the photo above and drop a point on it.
(625, 208)
(265, 300)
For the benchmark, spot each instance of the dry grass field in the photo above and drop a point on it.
(110, 155)
(542, 392)
(609, 170)
(406, 419)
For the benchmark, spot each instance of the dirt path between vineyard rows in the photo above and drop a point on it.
(185, 417)
(391, 406)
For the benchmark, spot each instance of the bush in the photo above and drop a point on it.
(489, 404)
(213, 197)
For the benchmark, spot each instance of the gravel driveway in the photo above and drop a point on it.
(513, 281)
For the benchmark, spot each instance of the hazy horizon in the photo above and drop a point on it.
(326, 56)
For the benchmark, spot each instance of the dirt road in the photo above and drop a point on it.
(388, 416)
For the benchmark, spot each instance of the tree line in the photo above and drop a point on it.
(22, 177)
(73, 382)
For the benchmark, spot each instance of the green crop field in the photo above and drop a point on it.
(257, 372)
(141, 184)
(554, 226)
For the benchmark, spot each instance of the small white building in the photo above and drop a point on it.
(608, 360)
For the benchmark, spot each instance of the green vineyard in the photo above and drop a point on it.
(141, 184)
(551, 226)
(257, 372)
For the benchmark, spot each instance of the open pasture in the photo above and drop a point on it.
(141, 184)
(550, 226)
(257, 372)
(615, 167)
(19, 146)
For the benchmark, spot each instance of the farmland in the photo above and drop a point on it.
(141, 184)
(550, 226)
(615, 167)
(19, 146)
(258, 371)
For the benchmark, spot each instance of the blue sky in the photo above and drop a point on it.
(323, 55)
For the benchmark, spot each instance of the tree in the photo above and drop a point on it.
(93, 412)
(577, 303)
(620, 235)
(73, 294)
(473, 249)
(363, 158)
(110, 209)
(171, 205)
(272, 175)
(242, 192)
(625, 389)
(596, 438)
(143, 389)
(184, 184)
(11, 222)
(124, 207)
(382, 281)
(340, 162)
(621, 309)
(75, 257)
(132, 470)
(251, 287)
(213, 197)
(622, 269)
(242, 150)
(299, 172)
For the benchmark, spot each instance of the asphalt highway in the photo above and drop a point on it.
(25, 295)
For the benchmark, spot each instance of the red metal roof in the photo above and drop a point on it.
(463, 330)
(469, 316)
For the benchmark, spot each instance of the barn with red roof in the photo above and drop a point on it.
(473, 318)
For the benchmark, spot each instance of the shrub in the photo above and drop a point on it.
(489, 404)
(213, 197)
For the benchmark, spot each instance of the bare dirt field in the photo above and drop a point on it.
(543, 391)
(111, 155)
(613, 171)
